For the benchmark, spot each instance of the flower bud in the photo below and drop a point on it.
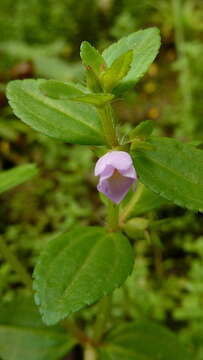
(136, 227)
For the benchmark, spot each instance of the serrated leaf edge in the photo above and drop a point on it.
(77, 308)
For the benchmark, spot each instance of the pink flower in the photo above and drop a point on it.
(117, 174)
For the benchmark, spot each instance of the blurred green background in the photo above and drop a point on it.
(42, 39)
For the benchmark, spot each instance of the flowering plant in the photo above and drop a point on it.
(87, 264)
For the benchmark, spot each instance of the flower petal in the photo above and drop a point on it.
(120, 160)
(130, 172)
(115, 187)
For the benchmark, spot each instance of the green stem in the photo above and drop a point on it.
(130, 206)
(104, 305)
(108, 125)
(112, 216)
(102, 318)
(11, 258)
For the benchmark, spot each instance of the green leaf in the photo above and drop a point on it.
(91, 57)
(138, 144)
(16, 176)
(23, 336)
(93, 82)
(143, 340)
(145, 45)
(172, 170)
(60, 90)
(148, 201)
(72, 271)
(143, 130)
(98, 100)
(60, 119)
(117, 71)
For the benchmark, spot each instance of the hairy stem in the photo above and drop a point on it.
(112, 216)
(104, 306)
(16, 265)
